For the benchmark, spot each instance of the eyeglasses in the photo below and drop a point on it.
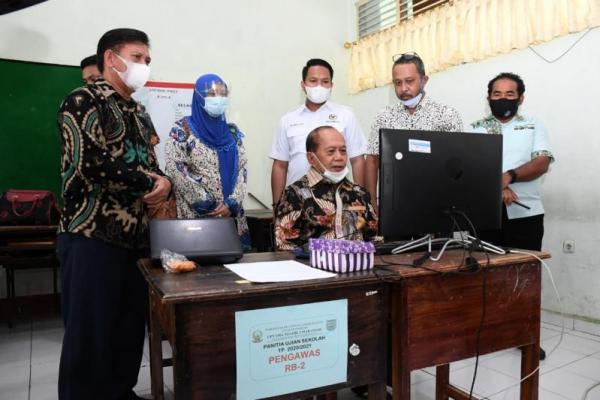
(405, 56)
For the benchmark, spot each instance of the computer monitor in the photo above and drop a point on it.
(423, 175)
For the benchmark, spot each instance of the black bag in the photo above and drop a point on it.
(28, 207)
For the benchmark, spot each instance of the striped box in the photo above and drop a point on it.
(341, 256)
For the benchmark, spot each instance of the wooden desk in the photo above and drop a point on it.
(436, 317)
(196, 311)
(28, 247)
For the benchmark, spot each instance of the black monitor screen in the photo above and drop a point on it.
(424, 174)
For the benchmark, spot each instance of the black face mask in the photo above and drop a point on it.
(504, 108)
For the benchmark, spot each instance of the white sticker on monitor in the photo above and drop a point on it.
(419, 146)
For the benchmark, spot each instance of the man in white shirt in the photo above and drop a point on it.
(526, 157)
(289, 144)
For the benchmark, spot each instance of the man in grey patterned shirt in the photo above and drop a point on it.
(414, 111)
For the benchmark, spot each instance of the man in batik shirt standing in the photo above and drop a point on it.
(109, 178)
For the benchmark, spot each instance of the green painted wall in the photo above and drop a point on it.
(30, 94)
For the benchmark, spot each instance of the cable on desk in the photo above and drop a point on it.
(412, 265)
(427, 255)
(459, 271)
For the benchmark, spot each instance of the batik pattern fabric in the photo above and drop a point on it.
(194, 170)
(314, 207)
(106, 153)
(148, 125)
(428, 116)
(521, 124)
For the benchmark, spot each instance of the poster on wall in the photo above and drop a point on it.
(289, 349)
(165, 102)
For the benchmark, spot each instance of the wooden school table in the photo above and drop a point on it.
(437, 314)
(196, 312)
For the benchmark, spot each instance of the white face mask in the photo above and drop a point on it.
(412, 103)
(317, 94)
(135, 76)
(335, 177)
(215, 106)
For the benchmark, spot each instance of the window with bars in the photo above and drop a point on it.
(377, 15)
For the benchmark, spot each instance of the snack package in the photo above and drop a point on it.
(176, 263)
(341, 256)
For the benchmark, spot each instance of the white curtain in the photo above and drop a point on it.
(465, 31)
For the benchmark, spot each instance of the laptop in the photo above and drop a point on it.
(206, 240)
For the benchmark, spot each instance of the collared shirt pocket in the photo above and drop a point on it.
(296, 134)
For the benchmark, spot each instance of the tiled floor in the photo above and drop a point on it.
(29, 355)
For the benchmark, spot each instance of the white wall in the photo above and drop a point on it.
(565, 97)
(259, 47)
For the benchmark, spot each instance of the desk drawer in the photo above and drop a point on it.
(204, 348)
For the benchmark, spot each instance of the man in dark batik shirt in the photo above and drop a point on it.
(323, 203)
(109, 178)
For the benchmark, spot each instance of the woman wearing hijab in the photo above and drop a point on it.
(206, 160)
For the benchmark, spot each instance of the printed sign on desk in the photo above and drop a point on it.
(288, 349)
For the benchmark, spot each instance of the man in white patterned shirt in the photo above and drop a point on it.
(415, 110)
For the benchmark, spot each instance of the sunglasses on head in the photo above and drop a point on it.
(405, 56)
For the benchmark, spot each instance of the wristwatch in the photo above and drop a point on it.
(513, 175)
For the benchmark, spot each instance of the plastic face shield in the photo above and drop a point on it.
(214, 89)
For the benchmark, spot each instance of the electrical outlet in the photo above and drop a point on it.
(568, 246)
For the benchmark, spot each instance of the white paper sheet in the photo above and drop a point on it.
(277, 271)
